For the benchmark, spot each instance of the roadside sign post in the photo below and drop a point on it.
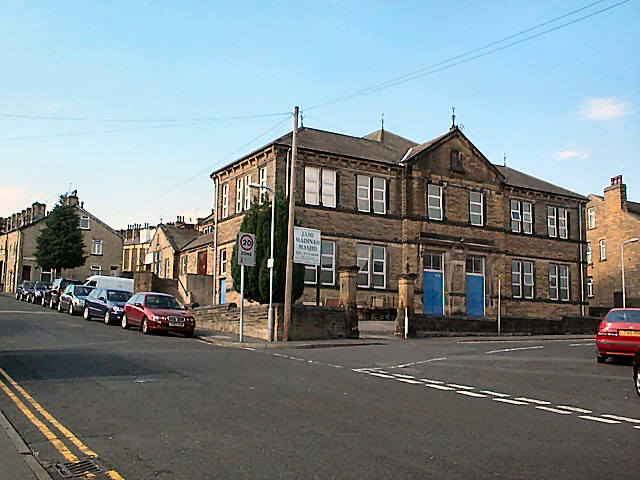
(246, 255)
(499, 278)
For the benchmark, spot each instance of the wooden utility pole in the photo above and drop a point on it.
(292, 202)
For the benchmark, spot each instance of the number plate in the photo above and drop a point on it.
(629, 333)
(176, 324)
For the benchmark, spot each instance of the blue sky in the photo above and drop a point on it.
(563, 106)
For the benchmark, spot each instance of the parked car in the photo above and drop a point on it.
(23, 290)
(106, 303)
(72, 299)
(618, 333)
(158, 312)
(37, 294)
(52, 295)
(636, 371)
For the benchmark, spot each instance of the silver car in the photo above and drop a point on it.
(72, 298)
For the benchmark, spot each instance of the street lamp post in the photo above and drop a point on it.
(624, 294)
(270, 261)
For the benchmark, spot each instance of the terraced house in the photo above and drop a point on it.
(440, 210)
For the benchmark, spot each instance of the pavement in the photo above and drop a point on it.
(18, 462)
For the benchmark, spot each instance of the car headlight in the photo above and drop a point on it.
(158, 318)
(117, 309)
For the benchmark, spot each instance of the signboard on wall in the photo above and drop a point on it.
(307, 245)
(246, 249)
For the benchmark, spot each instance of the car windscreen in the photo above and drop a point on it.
(27, 284)
(82, 291)
(41, 286)
(118, 296)
(628, 316)
(163, 302)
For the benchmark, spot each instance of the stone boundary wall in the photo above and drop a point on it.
(307, 323)
(425, 324)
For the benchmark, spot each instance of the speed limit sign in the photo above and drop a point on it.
(246, 249)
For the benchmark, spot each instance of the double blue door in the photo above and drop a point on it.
(223, 290)
(475, 295)
(433, 292)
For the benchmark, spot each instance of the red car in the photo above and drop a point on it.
(618, 333)
(157, 312)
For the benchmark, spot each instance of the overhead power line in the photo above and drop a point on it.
(141, 120)
(446, 64)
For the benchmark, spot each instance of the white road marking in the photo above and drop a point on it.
(463, 387)
(439, 382)
(532, 400)
(515, 349)
(404, 365)
(623, 419)
(375, 374)
(279, 355)
(554, 410)
(575, 409)
(470, 394)
(439, 387)
(507, 400)
(406, 380)
(250, 349)
(334, 366)
(582, 344)
(598, 419)
(400, 375)
(637, 427)
(495, 394)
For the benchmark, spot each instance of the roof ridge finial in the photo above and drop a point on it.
(504, 160)
(382, 129)
(453, 117)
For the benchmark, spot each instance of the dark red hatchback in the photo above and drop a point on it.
(618, 333)
(157, 312)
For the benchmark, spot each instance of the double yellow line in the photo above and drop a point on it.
(46, 431)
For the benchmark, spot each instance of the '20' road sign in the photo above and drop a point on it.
(246, 248)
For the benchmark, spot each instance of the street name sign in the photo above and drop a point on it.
(307, 245)
(246, 249)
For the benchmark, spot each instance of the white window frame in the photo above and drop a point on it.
(603, 250)
(552, 222)
(591, 218)
(522, 278)
(363, 259)
(363, 193)
(84, 218)
(380, 191)
(239, 191)
(590, 287)
(247, 192)
(376, 262)
(96, 247)
(516, 278)
(311, 186)
(95, 269)
(528, 279)
(328, 188)
(516, 216)
(225, 200)
(479, 222)
(589, 254)
(263, 183)
(223, 261)
(553, 282)
(527, 218)
(563, 223)
(311, 271)
(437, 206)
(183, 264)
(565, 286)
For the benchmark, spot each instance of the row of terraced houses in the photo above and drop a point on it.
(470, 230)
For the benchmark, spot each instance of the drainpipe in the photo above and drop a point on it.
(286, 189)
(216, 187)
(581, 265)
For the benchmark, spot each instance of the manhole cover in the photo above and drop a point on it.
(77, 469)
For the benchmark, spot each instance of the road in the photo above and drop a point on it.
(166, 407)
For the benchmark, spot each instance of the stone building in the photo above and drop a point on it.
(612, 220)
(440, 210)
(103, 246)
(163, 254)
(137, 239)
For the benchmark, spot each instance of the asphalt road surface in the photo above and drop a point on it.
(166, 407)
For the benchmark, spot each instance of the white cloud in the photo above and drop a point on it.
(604, 108)
(15, 198)
(567, 154)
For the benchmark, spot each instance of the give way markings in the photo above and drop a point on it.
(20, 396)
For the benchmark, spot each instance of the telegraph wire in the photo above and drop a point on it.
(194, 176)
(423, 72)
(142, 120)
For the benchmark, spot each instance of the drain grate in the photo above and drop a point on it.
(78, 469)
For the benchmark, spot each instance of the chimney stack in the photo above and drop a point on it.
(616, 194)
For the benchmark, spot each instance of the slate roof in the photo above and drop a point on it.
(516, 178)
(200, 241)
(634, 208)
(178, 237)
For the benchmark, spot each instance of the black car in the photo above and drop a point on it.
(636, 371)
(52, 295)
(23, 290)
(37, 294)
(106, 303)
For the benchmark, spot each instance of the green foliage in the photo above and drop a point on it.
(60, 243)
(256, 279)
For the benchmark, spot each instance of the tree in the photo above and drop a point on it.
(256, 279)
(60, 243)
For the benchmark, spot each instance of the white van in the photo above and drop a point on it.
(104, 281)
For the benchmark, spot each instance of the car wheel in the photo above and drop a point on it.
(107, 317)
(51, 304)
(636, 377)
(60, 307)
(601, 358)
(124, 323)
(86, 314)
(71, 312)
(145, 327)
(44, 302)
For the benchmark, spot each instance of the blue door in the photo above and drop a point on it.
(433, 293)
(475, 295)
(223, 290)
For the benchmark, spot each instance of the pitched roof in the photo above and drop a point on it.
(178, 237)
(515, 178)
(200, 241)
(634, 208)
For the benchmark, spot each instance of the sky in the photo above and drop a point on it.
(134, 103)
